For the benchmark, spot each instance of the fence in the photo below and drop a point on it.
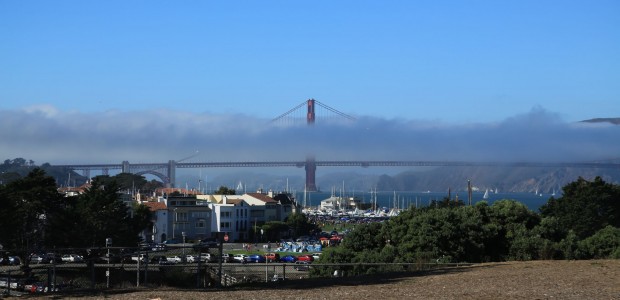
(126, 268)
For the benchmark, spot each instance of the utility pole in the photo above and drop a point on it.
(108, 244)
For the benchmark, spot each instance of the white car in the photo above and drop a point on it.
(190, 258)
(71, 258)
(174, 259)
(205, 257)
(239, 258)
(136, 258)
(36, 258)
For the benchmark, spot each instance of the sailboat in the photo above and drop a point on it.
(486, 194)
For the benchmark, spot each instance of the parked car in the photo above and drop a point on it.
(46, 258)
(14, 283)
(136, 257)
(35, 286)
(240, 258)
(10, 260)
(160, 259)
(37, 258)
(288, 258)
(174, 259)
(255, 258)
(316, 255)
(72, 258)
(272, 257)
(227, 258)
(206, 257)
(190, 258)
(305, 257)
(157, 258)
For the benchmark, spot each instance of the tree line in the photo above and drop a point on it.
(35, 216)
(584, 223)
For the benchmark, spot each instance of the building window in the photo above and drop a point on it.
(225, 225)
(181, 216)
(200, 223)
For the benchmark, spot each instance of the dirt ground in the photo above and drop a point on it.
(594, 279)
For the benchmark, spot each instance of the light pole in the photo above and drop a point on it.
(108, 244)
(138, 268)
(183, 258)
(174, 223)
(266, 269)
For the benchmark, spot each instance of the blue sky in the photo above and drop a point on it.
(453, 61)
(149, 81)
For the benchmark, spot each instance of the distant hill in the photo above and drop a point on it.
(505, 179)
(615, 121)
(13, 169)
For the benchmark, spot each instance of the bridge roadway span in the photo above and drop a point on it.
(356, 163)
(310, 165)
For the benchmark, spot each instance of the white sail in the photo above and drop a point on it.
(486, 194)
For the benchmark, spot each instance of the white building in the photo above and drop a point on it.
(159, 229)
(232, 217)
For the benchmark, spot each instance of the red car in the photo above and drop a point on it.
(307, 258)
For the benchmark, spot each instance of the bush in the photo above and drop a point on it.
(603, 244)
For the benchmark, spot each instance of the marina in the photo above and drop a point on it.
(389, 203)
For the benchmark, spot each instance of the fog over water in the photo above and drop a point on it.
(45, 134)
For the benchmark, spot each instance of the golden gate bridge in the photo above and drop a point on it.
(307, 113)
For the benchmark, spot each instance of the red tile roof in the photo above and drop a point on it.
(155, 206)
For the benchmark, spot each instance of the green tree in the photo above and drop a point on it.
(27, 205)
(603, 244)
(585, 207)
(103, 215)
(512, 220)
(223, 190)
(300, 225)
(273, 230)
(365, 237)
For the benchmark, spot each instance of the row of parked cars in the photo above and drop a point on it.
(275, 257)
(50, 258)
(30, 285)
(189, 258)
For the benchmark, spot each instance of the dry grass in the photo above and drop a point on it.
(596, 279)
